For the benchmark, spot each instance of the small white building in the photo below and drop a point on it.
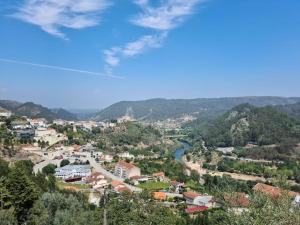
(194, 198)
(126, 155)
(126, 170)
(41, 122)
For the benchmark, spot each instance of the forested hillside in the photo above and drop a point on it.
(246, 123)
(206, 108)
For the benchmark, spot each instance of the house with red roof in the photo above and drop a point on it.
(196, 209)
(126, 170)
(272, 191)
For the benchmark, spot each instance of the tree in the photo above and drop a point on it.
(64, 163)
(49, 169)
(23, 192)
(4, 169)
(5, 198)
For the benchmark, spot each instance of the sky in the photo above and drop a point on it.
(93, 53)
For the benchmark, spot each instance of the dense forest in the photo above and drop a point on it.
(248, 124)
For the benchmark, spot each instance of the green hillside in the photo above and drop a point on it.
(246, 123)
(157, 109)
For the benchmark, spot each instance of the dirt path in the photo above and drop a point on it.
(237, 176)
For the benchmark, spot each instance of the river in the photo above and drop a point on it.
(179, 152)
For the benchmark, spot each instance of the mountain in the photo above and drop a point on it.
(33, 110)
(157, 109)
(246, 123)
(64, 114)
(292, 110)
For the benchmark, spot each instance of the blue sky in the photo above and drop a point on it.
(159, 48)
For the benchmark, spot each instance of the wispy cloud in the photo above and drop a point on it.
(60, 68)
(170, 14)
(161, 18)
(52, 15)
(113, 55)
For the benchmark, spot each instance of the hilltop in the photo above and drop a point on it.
(33, 110)
(208, 108)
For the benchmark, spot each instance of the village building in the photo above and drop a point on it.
(237, 201)
(161, 196)
(272, 191)
(71, 171)
(196, 209)
(36, 123)
(119, 187)
(126, 155)
(126, 170)
(96, 180)
(176, 187)
(194, 198)
(159, 176)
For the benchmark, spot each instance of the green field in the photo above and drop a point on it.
(153, 185)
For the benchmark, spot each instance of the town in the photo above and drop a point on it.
(101, 159)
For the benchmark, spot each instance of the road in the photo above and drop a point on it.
(97, 167)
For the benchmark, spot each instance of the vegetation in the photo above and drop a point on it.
(248, 124)
(153, 185)
(158, 109)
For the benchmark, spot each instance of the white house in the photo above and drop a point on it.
(96, 180)
(126, 170)
(194, 198)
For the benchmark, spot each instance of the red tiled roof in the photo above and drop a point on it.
(191, 194)
(237, 199)
(196, 209)
(126, 165)
(273, 191)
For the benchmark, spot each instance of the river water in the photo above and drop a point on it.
(179, 152)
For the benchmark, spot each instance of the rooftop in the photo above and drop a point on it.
(191, 194)
(237, 199)
(271, 190)
(126, 165)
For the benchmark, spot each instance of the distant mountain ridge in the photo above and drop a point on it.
(158, 109)
(33, 110)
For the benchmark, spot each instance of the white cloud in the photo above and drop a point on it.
(162, 18)
(168, 15)
(52, 15)
(113, 55)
